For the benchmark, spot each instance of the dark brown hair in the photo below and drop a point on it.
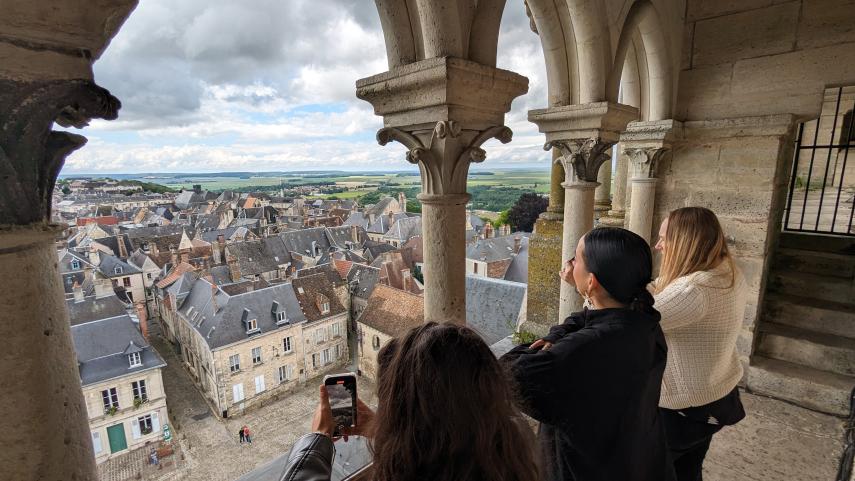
(446, 412)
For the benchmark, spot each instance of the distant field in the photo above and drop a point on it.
(523, 179)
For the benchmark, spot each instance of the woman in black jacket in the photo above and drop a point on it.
(594, 381)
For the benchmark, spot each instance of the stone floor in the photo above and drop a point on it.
(777, 441)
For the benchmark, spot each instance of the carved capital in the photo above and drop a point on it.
(444, 153)
(581, 158)
(645, 161)
(31, 154)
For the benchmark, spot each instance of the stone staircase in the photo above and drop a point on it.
(806, 335)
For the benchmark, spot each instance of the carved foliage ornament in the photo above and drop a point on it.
(444, 160)
(645, 161)
(581, 158)
(31, 154)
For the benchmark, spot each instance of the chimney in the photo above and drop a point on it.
(234, 269)
(197, 188)
(78, 292)
(354, 233)
(173, 252)
(517, 243)
(152, 247)
(103, 287)
(402, 199)
(185, 255)
(93, 256)
(141, 314)
(314, 249)
(123, 250)
(488, 230)
(408, 279)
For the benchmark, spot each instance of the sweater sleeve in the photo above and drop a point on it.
(680, 304)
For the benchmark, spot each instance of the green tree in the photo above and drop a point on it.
(524, 213)
(414, 206)
(502, 219)
(66, 190)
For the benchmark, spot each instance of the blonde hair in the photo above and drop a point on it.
(694, 242)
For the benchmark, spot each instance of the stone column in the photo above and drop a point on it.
(42, 397)
(584, 134)
(603, 193)
(644, 145)
(615, 216)
(442, 110)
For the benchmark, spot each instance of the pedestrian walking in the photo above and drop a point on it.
(241, 434)
(246, 435)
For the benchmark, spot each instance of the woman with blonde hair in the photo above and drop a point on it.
(700, 294)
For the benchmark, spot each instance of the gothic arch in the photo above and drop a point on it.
(642, 44)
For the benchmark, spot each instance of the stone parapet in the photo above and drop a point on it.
(544, 262)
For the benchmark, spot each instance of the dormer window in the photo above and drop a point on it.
(250, 323)
(117, 270)
(281, 318)
(325, 308)
(75, 264)
(134, 359)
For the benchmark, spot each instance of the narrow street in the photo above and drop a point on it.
(210, 446)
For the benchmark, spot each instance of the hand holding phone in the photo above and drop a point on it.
(341, 392)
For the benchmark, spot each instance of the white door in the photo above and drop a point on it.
(237, 393)
(259, 384)
(96, 441)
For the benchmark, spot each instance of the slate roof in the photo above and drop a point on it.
(358, 219)
(383, 223)
(112, 242)
(491, 250)
(329, 270)
(340, 236)
(252, 257)
(493, 306)
(220, 275)
(93, 309)
(108, 265)
(138, 258)
(274, 246)
(217, 316)
(362, 280)
(175, 274)
(405, 229)
(300, 241)
(229, 233)
(66, 256)
(189, 198)
(518, 270)
(102, 346)
(380, 207)
(393, 311)
(307, 290)
(375, 248)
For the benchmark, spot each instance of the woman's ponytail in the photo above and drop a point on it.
(643, 301)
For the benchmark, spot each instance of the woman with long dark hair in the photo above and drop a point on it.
(701, 295)
(594, 381)
(445, 413)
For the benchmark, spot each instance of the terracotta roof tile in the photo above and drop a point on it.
(173, 275)
(393, 311)
(343, 267)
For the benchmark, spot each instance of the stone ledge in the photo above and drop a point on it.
(777, 125)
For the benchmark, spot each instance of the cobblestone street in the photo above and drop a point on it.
(210, 446)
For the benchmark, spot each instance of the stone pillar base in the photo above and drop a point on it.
(613, 218)
(544, 262)
(44, 429)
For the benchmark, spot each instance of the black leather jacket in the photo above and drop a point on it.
(311, 459)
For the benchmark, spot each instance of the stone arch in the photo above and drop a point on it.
(422, 29)
(642, 43)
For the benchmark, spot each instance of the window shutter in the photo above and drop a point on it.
(259, 384)
(155, 422)
(135, 429)
(237, 393)
(96, 441)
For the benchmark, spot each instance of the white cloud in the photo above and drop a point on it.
(214, 85)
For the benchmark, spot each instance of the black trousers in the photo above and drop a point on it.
(688, 441)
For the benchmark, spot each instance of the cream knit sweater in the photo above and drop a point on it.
(701, 319)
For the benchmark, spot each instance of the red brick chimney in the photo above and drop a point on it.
(517, 243)
(141, 314)
(234, 268)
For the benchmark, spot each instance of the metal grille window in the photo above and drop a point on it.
(822, 184)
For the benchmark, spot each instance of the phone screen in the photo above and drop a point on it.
(342, 393)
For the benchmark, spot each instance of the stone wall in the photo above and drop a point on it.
(367, 355)
(751, 71)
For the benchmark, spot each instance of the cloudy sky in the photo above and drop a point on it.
(268, 85)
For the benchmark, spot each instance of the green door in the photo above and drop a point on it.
(116, 434)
